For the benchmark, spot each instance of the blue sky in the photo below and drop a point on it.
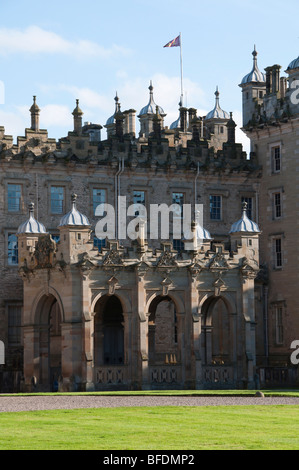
(63, 50)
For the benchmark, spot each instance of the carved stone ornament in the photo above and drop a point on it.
(167, 260)
(218, 286)
(84, 263)
(112, 283)
(218, 262)
(113, 258)
(44, 250)
(166, 284)
(249, 269)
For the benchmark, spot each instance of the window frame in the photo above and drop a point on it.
(93, 189)
(7, 252)
(20, 207)
(274, 159)
(214, 219)
(18, 324)
(277, 206)
(52, 186)
(181, 204)
(277, 255)
(249, 201)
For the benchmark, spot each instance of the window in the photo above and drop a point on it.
(276, 159)
(14, 197)
(14, 325)
(277, 205)
(178, 245)
(98, 197)
(279, 324)
(215, 207)
(57, 199)
(248, 200)
(99, 243)
(138, 198)
(277, 247)
(178, 198)
(12, 251)
(261, 94)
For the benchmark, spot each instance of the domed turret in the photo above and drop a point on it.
(217, 112)
(31, 226)
(146, 115)
(34, 111)
(293, 65)
(74, 217)
(150, 108)
(77, 113)
(244, 224)
(255, 75)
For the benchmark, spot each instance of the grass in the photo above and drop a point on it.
(156, 428)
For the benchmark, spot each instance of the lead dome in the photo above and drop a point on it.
(151, 107)
(31, 225)
(217, 112)
(255, 75)
(74, 217)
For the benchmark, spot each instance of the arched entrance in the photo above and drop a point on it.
(217, 342)
(48, 344)
(164, 346)
(109, 332)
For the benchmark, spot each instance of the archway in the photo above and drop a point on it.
(163, 331)
(108, 332)
(217, 332)
(48, 345)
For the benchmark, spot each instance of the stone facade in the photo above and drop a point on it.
(273, 128)
(214, 313)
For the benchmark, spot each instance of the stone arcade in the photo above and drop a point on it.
(137, 318)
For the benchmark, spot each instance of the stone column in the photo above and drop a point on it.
(181, 344)
(30, 365)
(249, 316)
(197, 350)
(71, 357)
(144, 353)
(128, 344)
(233, 339)
(88, 362)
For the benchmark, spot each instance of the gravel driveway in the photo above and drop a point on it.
(34, 403)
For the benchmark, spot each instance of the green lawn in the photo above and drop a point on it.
(157, 428)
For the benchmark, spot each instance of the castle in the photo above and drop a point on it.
(80, 312)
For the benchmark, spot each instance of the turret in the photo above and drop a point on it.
(253, 88)
(146, 115)
(77, 113)
(74, 230)
(34, 111)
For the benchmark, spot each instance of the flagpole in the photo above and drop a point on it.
(182, 89)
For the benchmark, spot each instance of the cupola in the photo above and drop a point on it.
(74, 217)
(31, 226)
(255, 75)
(217, 112)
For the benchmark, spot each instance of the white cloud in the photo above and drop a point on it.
(35, 40)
